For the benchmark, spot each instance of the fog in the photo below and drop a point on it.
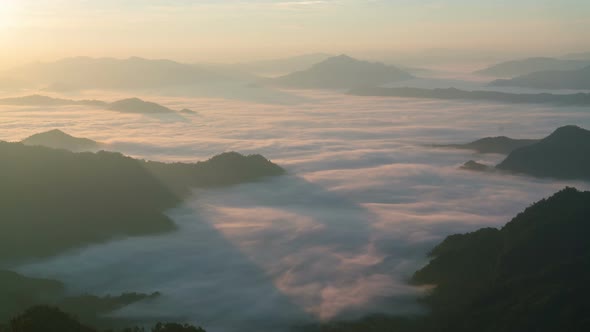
(365, 199)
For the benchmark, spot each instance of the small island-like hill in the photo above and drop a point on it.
(342, 72)
(57, 139)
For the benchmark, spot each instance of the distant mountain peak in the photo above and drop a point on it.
(343, 71)
(569, 129)
(58, 139)
(346, 60)
(342, 57)
(564, 154)
(136, 105)
(569, 133)
(56, 132)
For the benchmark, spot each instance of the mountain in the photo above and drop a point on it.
(473, 165)
(283, 65)
(187, 111)
(109, 73)
(578, 79)
(129, 105)
(530, 275)
(564, 154)
(136, 105)
(577, 56)
(342, 72)
(54, 200)
(39, 100)
(499, 144)
(531, 65)
(18, 292)
(57, 139)
(45, 318)
(575, 99)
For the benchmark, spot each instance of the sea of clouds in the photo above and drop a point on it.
(366, 197)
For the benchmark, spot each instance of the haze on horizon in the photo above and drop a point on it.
(237, 30)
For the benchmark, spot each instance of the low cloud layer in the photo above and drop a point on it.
(364, 201)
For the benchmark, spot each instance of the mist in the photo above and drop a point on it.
(365, 198)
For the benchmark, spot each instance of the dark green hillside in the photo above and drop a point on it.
(18, 293)
(530, 275)
(564, 154)
(45, 318)
(57, 139)
(54, 200)
(224, 169)
(499, 144)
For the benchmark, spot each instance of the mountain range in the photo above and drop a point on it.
(281, 66)
(129, 105)
(110, 73)
(18, 293)
(578, 79)
(575, 99)
(530, 65)
(57, 139)
(342, 72)
(499, 144)
(530, 275)
(97, 196)
(39, 100)
(565, 154)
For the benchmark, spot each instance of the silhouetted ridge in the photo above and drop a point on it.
(563, 154)
(223, 169)
(57, 139)
(339, 60)
(529, 276)
(531, 65)
(499, 144)
(109, 73)
(44, 318)
(18, 293)
(578, 79)
(577, 99)
(473, 165)
(136, 105)
(281, 66)
(567, 134)
(343, 72)
(82, 198)
(129, 105)
(39, 100)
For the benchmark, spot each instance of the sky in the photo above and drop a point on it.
(237, 30)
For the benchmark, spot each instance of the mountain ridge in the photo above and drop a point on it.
(578, 79)
(574, 99)
(342, 72)
(564, 154)
(58, 139)
(530, 65)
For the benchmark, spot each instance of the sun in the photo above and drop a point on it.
(7, 12)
